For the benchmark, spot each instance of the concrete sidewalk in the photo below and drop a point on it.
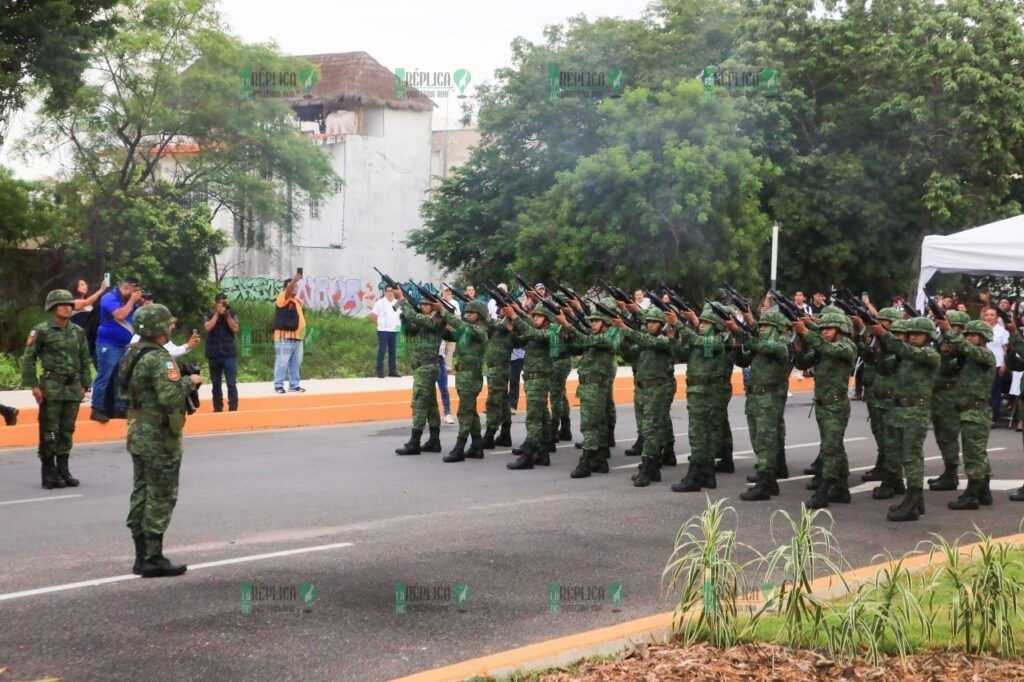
(326, 401)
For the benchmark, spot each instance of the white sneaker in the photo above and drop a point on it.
(448, 419)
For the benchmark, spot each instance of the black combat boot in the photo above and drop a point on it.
(599, 463)
(815, 482)
(649, 473)
(488, 441)
(889, 489)
(762, 490)
(565, 432)
(969, 499)
(668, 455)
(707, 478)
(504, 438)
(156, 565)
(10, 415)
(691, 481)
(458, 453)
(519, 450)
(948, 480)
(140, 553)
(636, 449)
(819, 500)
(542, 458)
(63, 473)
(910, 509)
(582, 469)
(578, 445)
(525, 458)
(611, 437)
(754, 477)
(476, 450)
(814, 468)
(1018, 496)
(781, 468)
(875, 473)
(433, 443)
(985, 494)
(48, 472)
(840, 492)
(725, 465)
(413, 446)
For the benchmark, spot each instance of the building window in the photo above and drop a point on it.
(314, 207)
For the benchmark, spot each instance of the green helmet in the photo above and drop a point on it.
(478, 307)
(890, 314)
(708, 315)
(921, 325)
(899, 326)
(58, 297)
(542, 310)
(958, 318)
(832, 310)
(840, 322)
(775, 319)
(977, 327)
(152, 320)
(654, 314)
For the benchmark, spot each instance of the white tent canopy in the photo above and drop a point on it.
(993, 249)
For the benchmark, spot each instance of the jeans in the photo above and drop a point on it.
(229, 368)
(287, 358)
(996, 397)
(516, 368)
(107, 357)
(386, 342)
(442, 383)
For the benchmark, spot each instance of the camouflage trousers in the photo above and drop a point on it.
(594, 396)
(723, 394)
(832, 420)
(424, 397)
(656, 427)
(538, 418)
(704, 428)
(559, 399)
(155, 488)
(468, 384)
(878, 413)
(638, 410)
(498, 411)
(946, 424)
(610, 416)
(907, 428)
(56, 426)
(766, 421)
(974, 431)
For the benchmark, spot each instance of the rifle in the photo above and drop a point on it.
(605, 310)
(855, 307)
(571, 294)
(571, 316)
(736, 298)
(505, 300)
(461, 295)
(913, 312)
(786, 306)
(526, 285)
(387, 280)
(615, 292)
(432, 298)
(677, 300)
(723, 313)
(933, 305)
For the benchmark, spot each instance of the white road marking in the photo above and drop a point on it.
(40, 499)
(747, 452)
(192, 567)
(871, 485)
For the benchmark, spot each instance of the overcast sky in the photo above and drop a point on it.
(415, 35)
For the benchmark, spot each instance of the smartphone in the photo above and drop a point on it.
(864, 296)
(299, 271)
(106, 278)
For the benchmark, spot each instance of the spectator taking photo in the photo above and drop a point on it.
(221, 325)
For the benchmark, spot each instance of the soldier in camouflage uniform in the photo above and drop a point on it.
(708, 358)
(596, 374)
(537, 338)
(631, 355)
(1015, 363)
(499, 414)
(945, 415)
(470, 346)
(63, 352)
(829, 350)
(892, 466)
(908, 426)
(424, 332)
(768, 355)
(974, 414)
(157, 400)
(654, 391)
(879, 375)
(561, 426)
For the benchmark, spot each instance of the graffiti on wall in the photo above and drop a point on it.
(349, 296)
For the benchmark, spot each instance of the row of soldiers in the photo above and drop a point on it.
(916, 375)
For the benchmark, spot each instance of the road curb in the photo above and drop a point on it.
(607, 640)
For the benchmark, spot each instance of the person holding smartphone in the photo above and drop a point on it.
(289, 332)
(221, 326)
(114, 334)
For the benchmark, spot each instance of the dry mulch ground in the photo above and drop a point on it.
(653, 662)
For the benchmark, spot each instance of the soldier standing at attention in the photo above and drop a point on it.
(157, 399)
(537, 374)
(424, 333)
(499, 413)
(63, 352)
(945, 396)
(973, 413)
(831, 354)
(919, 365)
(470, 346)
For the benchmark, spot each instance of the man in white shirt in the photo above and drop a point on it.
(172, 348)
(1000, 337)
(641, 300)
(387, 317)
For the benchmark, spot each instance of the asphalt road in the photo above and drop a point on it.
(335, 508)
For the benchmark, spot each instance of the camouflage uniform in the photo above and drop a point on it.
(945, 416)
(708, 359)
(879, 376)
(654, 391)
(423, 336)
(915, 378)
(63, 352)
(631, 355)
(496, 359)
(769, 356)
(832, 362)
(537, 373)
(470, 346)
(561, 428)
(157, 399)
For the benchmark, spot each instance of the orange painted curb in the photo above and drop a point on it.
(535, 653)
(317, 409)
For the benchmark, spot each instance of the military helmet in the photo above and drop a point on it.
(921, 325)
(890, 314)
(542, 310)
(654, 314)
(708, 315)
(58, 297)
(152, 320)
(958, 318)
(899, 326)
(832, 310)
(596, 314)
(478, 307)
(979, 327)
(840, 322)
(775, 319)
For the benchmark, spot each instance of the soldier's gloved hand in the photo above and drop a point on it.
(37, 393)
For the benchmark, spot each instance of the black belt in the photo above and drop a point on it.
(534, 374)
(973, 404)
(913, 402)
(881, 395)
(831, 399)
(944, 386)
(66, 379)
(650, 383)
(705, 381)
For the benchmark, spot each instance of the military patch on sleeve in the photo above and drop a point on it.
(31, 338)
(172, 370)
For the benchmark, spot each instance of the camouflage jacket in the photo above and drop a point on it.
(832, 362)
(423, 335)
(917, 368)
(950, 363)
(708, 359)
(538, 346)
(879, 368)
(470, 343)
(770, 360)
(499, 346)
(656, 361)
(156, 397)
(63, 353)
(974, 382)
(598, 361)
